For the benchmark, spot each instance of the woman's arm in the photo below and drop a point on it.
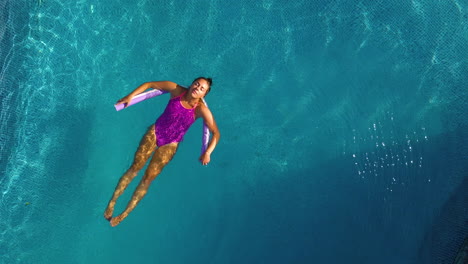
(167, 86)
(208, 118)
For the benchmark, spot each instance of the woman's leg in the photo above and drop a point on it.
(147, 146)
(161, 158)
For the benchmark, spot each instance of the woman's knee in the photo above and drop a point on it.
(156, 165)
(151, 173)
(137, 166)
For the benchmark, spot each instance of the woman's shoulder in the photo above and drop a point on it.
(202, 104)
(178, 91)
(202, 108)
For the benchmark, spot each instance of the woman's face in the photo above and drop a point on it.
(199, 88)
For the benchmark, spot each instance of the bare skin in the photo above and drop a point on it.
(144, 151)
(164, 154)
(161, 158)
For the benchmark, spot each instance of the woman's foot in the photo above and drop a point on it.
(109, 211)
(116, 220)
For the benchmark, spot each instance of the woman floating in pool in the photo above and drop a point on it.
(163, 137)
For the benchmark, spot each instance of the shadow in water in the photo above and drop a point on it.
(328, 213)
(445, 239)
(62, 202)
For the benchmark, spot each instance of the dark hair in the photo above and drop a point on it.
(208, 80)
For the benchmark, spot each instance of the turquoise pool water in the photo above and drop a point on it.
(344, 131)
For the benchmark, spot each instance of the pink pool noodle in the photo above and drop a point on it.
(155, 92)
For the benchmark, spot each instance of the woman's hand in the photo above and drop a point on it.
(126, 100)
(205, 158)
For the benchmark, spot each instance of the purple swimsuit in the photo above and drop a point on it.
(174, 122)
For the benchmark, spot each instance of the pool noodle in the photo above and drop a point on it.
(155, 92)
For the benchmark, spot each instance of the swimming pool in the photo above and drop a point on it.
(344, 131)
